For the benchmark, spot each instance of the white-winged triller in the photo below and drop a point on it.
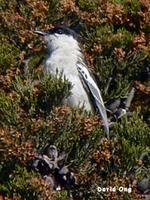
(64, 55)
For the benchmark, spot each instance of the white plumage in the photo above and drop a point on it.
(65, 56)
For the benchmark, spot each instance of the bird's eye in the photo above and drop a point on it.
(59, 31)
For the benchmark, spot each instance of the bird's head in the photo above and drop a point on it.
(59, 37)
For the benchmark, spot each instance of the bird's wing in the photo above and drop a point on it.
(94, 90)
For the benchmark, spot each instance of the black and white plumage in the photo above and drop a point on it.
(65, 56)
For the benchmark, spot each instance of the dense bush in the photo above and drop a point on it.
(116, 44)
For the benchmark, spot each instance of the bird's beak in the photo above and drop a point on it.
(40, 33)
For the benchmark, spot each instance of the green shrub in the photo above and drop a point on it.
(20, 184)
(9, 55)
(42, 97)
(110, 38)
(89, 4)
(116, 44)
(8, 110)
(132, 141)
(133, 6)
(115, 77)
(53, 91)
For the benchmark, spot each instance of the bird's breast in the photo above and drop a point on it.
(62, 63)
(57, 64)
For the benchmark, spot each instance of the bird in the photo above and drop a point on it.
(65, 55)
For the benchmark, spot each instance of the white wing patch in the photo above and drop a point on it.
(90, 83)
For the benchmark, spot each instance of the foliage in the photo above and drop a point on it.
(21, 185)
(9, 55)
(88, 5)
(116, 44)
(40, 96)
(7, 110)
